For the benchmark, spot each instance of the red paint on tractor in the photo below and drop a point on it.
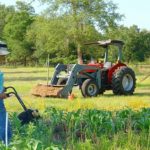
(112, 70)
(98, 65)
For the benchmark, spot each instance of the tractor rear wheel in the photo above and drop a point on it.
(89, 88)
(123, 81)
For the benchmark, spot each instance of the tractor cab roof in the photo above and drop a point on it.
(107, 43)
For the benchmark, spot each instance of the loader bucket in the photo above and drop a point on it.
(47, 90)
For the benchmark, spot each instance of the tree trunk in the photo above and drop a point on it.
(80, 60)
(76, 21)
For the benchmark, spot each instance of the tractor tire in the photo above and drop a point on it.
(101, 91)
(123, 81)
(61, 81)
(89, 88)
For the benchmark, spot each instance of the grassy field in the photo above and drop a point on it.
(24, 79)
(105, 122)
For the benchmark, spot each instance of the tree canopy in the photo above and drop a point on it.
(83, 19)
(14, 33)
(63, 28)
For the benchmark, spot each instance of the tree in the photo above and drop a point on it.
(48, 36)
(145, 44)
(82, 17)
(5, 12)
(137, 46)
(45, 38)
(25, 7)
(15, 34)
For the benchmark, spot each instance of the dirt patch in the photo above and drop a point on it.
(46, 91)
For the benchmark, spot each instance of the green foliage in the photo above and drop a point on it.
(5, 12)
(47, 35)
(90, 129)
(15, 35)
(63, 28)
(25, 7)
(136, 41)
(42, 133)
(81, 18)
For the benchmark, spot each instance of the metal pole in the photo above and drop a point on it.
(6, 130)
(106, 55)
(119, 53)
(48, 70)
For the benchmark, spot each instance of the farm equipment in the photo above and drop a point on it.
(27, 115)
(93, 78)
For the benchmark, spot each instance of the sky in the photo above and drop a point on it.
(136, 12)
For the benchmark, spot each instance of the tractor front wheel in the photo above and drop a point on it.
(89, 88)
(123, 81)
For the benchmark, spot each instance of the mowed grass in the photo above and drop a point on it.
(24, 79)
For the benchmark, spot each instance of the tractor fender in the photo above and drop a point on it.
(113, 69)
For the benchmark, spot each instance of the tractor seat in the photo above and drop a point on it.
(107, 64)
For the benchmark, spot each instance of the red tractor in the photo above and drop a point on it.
(117, 77)
(93, 79)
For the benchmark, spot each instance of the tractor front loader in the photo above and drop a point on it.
(93, 78)
(61, 85)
